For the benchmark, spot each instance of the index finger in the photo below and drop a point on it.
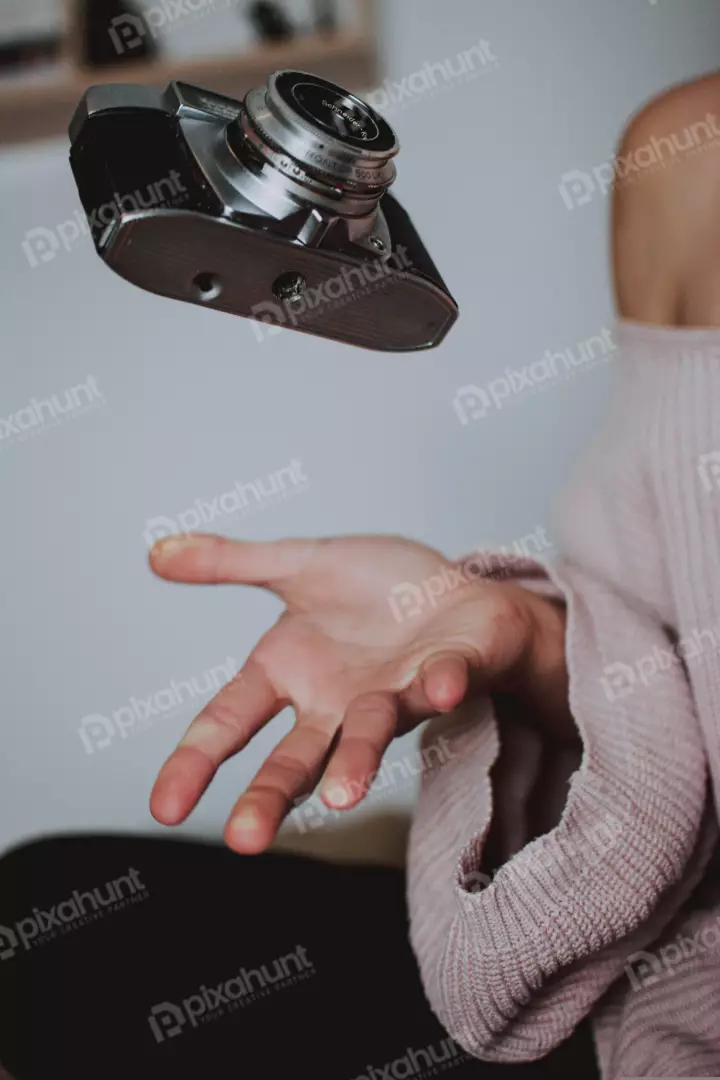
(199, 558)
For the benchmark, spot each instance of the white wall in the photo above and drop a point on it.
(193, 403)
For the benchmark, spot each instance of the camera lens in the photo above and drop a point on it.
(308, 133)
(334, 110)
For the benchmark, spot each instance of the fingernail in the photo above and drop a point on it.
(245, 821)
(336, 795)
(171, 545)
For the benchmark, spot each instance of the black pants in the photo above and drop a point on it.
(137, 958)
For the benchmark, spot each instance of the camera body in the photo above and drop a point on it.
(275, 208)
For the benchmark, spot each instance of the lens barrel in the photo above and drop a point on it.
(317, 134)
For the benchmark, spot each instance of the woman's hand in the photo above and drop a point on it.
(356, 673)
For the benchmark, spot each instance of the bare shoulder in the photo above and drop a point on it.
(666, 208)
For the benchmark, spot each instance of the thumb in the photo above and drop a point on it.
(214, 560)
(445, 680)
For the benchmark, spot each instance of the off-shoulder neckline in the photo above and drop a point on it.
(664, 332)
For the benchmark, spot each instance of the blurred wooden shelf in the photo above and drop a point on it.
(43, 107)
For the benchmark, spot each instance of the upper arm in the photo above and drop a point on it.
(666, 209)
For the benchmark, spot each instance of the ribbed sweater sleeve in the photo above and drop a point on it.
(576, 921)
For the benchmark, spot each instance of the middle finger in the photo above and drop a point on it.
(292, 769)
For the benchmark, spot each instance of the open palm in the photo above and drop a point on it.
(356, 671)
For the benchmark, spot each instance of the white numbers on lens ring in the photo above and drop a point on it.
(331, 166)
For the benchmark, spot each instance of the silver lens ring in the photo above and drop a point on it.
(321, 107)
(332, 134)
(329, 187)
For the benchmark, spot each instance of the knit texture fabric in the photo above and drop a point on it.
(614, 912)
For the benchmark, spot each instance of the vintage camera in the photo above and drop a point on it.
(275, 208)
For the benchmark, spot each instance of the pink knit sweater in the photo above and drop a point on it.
(615, 912)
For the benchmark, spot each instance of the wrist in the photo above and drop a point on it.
(540, 680)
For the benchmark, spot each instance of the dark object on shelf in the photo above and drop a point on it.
(275, 208)
(325, 16)
(113, 32)
(270, 22)
(28, 52)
